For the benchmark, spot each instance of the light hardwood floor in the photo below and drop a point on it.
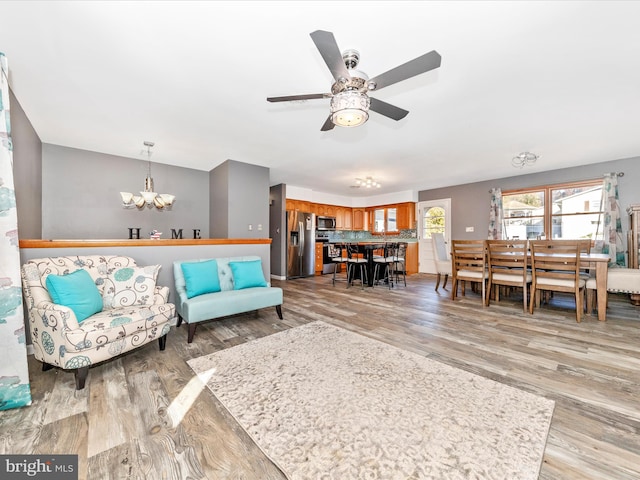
(144, 416)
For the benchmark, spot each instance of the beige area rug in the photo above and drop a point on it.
(326, 403)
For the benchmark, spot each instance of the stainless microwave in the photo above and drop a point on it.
(325, 223)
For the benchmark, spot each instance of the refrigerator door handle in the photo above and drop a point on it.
(301, 233)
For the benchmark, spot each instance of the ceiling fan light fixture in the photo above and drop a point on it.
(350, 108)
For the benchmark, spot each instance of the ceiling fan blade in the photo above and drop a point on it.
(328, 125)
(422, 64)
(386, 109)
(293, 98)
(326, 43)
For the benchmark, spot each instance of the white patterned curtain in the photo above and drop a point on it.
(496, 215)
(611, 223)
(14, 387)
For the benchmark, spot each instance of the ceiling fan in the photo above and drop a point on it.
(350, 102)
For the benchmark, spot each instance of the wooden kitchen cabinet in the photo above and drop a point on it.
(339, 218)
(319, 260)
(359, 219)
(412, 258)
(300, 205)
(406, 215)
(343, 218)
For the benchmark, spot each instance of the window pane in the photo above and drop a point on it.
(577, 200)
(523, 205)
(433, 222)
(392, 224)
(523, 228)
(378, 223)
(577, 226)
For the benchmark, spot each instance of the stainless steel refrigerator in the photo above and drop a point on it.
(301, 237)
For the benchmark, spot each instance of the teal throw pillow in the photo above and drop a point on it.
(77, 291)
(201, 277)
(247, 274)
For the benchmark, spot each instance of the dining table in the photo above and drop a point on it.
(601, 261)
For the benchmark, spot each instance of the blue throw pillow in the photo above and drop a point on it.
(247, 274)
(77, 291)
(201, 277)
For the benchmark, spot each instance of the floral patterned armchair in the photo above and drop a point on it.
(134, 312)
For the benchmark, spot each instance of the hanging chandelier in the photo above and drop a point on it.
(147, 198)
(524, 159)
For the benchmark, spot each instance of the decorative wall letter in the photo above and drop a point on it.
(134, 233)
(196, 233)
(175, 234)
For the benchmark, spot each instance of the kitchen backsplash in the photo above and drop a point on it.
(339, 235)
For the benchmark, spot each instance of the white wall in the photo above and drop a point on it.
(299, 193)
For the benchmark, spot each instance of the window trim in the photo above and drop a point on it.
(548, 203)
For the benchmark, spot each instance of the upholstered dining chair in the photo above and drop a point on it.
(507, 266)
(468, 264)
(555, 267)
(441, 259)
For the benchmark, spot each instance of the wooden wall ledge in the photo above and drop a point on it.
(144, 242)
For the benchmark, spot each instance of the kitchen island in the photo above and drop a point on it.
(370, 247)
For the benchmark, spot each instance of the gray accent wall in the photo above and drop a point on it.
(27, 172)
(278, 230)
(81, 196)
(470, 202)
(239, 201)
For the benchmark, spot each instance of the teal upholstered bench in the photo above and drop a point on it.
(219, 287)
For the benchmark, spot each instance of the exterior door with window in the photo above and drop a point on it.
(434, 217)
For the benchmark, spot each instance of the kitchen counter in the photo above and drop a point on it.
(412, 248)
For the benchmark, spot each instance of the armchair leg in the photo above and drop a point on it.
(279, 311)
(192, 332)
(179, 320)
(162, 341)
(46, 366)
(81, 377)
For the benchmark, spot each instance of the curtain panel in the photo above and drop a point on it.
(612, 222)
(496, 215)
(14, 375)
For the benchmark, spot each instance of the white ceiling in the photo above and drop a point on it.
(561, 79)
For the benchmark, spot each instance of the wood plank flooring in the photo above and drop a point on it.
(145, 415)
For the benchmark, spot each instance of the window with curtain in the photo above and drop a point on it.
(569, 210)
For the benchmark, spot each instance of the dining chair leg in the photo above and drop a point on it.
(579, 295)
(437, 281)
